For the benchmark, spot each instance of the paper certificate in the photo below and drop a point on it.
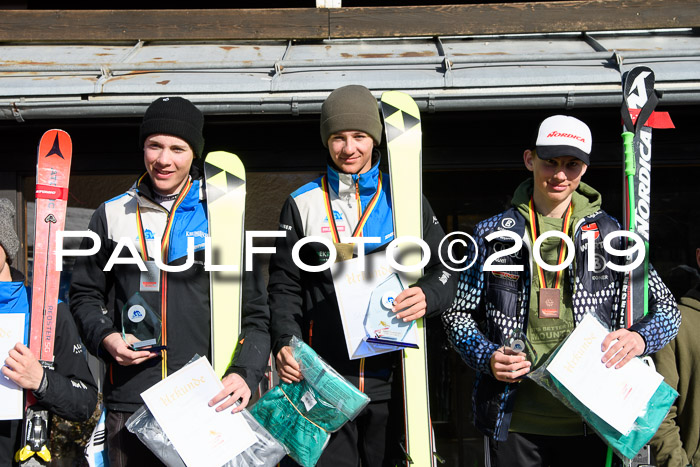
(355, 280)
(11, 332)
(201, 435)
(618, 396)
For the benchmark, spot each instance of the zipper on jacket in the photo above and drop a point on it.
(359, 203)
(163, 290)
(164, 293)
(163, 317)
(164, 277)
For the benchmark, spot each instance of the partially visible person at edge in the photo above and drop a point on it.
(167, 202)
(68, 390)
(304, 304)
(677, 442)
(524, 424)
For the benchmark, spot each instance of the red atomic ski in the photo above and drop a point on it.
(52, 173)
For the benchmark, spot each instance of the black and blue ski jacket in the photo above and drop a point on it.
(490, 305)
(97, 297)
(304, 304)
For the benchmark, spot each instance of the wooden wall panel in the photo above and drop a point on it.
(314, 23)
(513, 18)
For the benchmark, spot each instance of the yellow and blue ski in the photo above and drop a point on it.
(224, 175)
(402, 125)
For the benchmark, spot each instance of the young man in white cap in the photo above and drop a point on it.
(164, 208)
(303, 304)
(494, 311)
(68, 389)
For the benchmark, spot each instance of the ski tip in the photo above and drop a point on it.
(216, 161)
(391, 101)
(222, 157)
(57, 146)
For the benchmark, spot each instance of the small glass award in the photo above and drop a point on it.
(140, 321)
(381, 324)
(518, 342)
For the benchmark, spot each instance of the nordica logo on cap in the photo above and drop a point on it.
(562, 130)
(556, 134)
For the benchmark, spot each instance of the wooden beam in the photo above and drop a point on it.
(316, 23)
(162, 25)
(514, 18)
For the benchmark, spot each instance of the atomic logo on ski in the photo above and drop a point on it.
(220, 181)
(56, 148)
(397, 121)
(52, 177)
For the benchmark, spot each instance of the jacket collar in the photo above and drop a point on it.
(143, 192)
(344, 184)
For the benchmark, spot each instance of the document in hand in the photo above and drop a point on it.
(365, 289)
(618, 396)
(208, 438)
(625, 406)
(12, 330)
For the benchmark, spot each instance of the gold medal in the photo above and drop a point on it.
(343, 250)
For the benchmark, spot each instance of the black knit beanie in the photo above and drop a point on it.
(177, 117)
(351, 107)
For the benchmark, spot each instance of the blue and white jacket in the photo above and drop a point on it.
(97, 297)
(304, 304)
(490, 305)
(68, 390)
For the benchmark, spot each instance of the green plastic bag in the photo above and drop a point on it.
(624, 445)
(645, 425)
(302, 415)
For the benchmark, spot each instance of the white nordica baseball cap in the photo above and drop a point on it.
(561, 135)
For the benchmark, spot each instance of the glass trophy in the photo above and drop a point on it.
(381, 324)
(139, 320)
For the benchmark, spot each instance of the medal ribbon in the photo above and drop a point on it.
(358, 232)
(164, 246)
(562, 247)
(168, 227)
(363, 218)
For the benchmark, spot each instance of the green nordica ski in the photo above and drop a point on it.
(403, 136)
(638, 118)
(225, 186)
(54, 157)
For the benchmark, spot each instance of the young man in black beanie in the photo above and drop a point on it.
(68, 389)
(303, 304)
(164, 208)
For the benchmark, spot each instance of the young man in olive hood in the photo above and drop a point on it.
(524, 424)
(677, 442)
